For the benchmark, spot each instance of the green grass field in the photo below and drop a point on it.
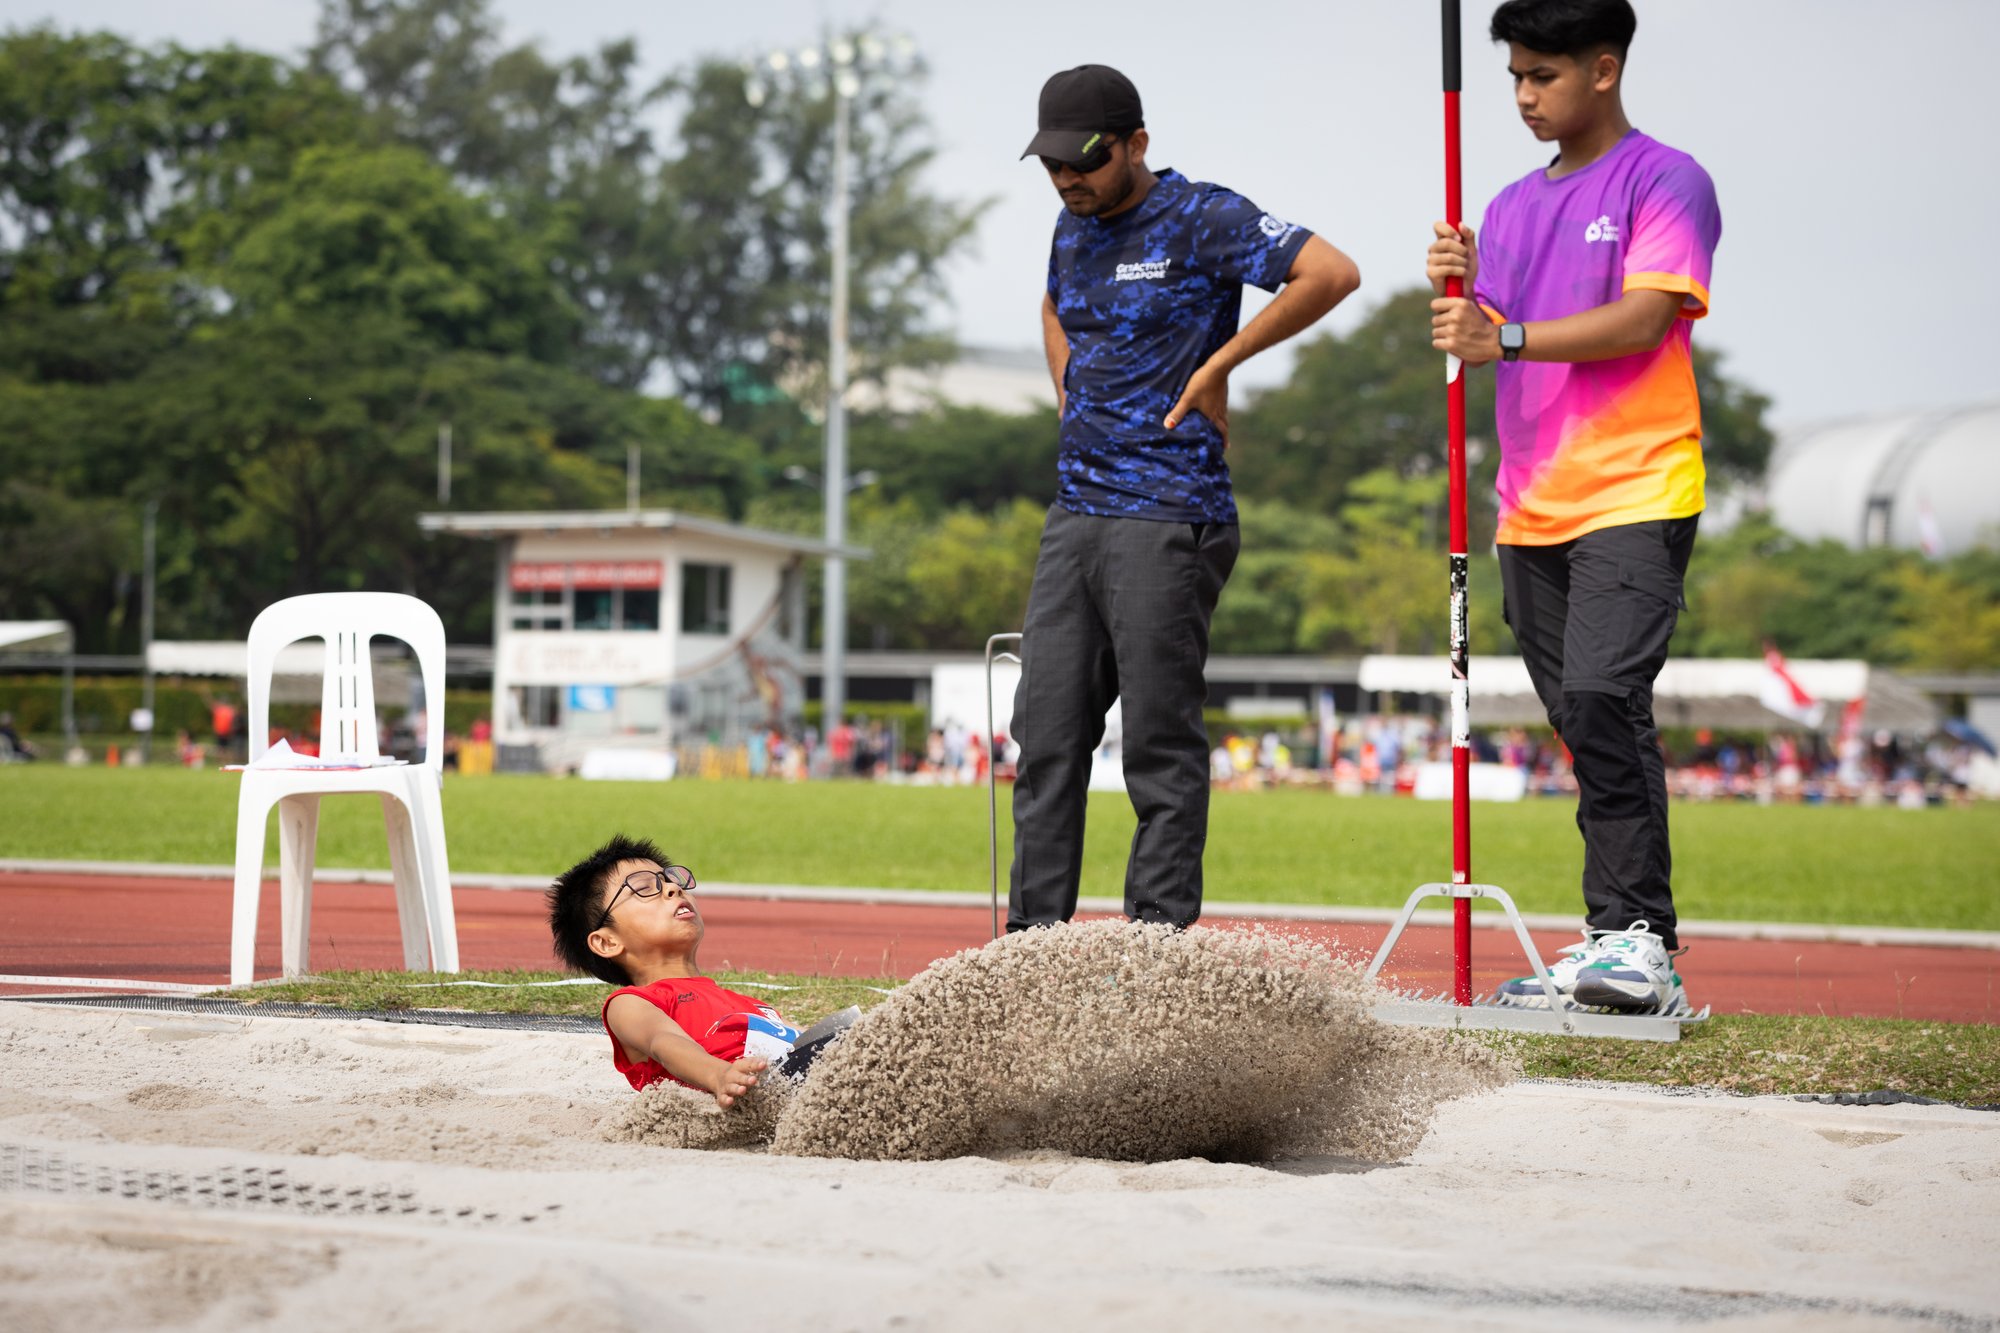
(1931, 868)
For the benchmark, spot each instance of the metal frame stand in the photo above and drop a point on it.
(992, 764)
(1560, 1018)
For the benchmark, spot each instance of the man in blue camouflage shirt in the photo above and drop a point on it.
(1145, 290)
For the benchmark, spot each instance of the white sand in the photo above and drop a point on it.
(457, 1182)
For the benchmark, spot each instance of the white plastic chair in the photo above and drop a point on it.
(411, 794)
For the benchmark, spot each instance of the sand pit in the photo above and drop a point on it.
(193, 1171)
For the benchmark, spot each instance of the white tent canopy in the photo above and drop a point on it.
(296, 675)
(191, 657)
(1710, 692)
(47, 636)
(35, 636)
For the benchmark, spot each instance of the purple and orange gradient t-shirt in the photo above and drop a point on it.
(1597, 444)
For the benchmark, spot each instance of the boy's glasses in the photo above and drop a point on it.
(647, 884)
(1088, 163)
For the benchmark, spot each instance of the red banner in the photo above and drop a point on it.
(585, 574)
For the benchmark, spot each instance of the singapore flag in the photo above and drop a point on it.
(1783, 695)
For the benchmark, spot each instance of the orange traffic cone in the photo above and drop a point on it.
(111, 757)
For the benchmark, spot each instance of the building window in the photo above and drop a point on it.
(704, 599)
(536, 608)
(537, 705)
(791, 603)
(642, 608)
(595, 609)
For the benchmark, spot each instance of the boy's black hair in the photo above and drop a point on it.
(1567, 27)
(576, 902)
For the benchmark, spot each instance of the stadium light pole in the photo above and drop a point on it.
(149, 542)
(837, 68)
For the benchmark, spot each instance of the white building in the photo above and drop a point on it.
(639, 629)
(999, 379)
(1924, 480)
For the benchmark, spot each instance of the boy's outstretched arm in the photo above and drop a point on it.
(646, 1031)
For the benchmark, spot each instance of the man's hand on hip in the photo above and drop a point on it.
(1207, 392)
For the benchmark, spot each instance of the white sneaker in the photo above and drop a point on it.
(1629, 971)
(1527, 993)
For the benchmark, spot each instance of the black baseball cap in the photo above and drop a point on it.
(1080, 106)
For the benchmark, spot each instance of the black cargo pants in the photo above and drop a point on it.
(1119, 610)
(1593, 617)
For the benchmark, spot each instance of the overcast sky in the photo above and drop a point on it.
(1851, 144)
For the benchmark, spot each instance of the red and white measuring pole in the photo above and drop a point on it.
(1461, 688)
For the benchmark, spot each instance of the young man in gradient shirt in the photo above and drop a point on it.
(1585, 281)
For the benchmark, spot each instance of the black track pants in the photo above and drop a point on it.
(1119, 610)
(1593, 617)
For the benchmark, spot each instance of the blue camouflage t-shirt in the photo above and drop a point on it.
(1145, 297)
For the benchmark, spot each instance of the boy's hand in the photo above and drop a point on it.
(1453, 254)
(733, 1080)
(1462, 329)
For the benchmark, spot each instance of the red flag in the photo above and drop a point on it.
(1850, 721)
(1783, 695)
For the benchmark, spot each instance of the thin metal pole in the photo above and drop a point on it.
(444, 463)
(146, 630)
(992, 774)
(833, 670)
(632, 476)
(1461, 685)
(69, 695)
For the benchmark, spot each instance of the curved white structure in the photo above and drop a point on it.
(1925, 480)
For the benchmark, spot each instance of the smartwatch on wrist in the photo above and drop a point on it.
(1513, 337)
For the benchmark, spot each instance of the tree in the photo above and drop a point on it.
(973, 572)
(263, 332)
(752, 249)
(1735, 442)
(1371, 400)
(943, 581)
(1269, 591)
(1740, 586)
(1948, 623)
(108, 152)
(708, 262)
(954, 456)
(1376, 593)
(1758, 583)
(66, 559)
(384, 231)
(106, 149)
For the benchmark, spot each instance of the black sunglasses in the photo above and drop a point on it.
(648, 884)
(1099, 154)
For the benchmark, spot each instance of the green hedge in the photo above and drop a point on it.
(104, 704)
(1221, 724)
(915, 719)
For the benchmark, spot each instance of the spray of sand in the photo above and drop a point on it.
(1109, 1040)
(670, 1116)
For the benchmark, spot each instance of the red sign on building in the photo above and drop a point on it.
(553, 577)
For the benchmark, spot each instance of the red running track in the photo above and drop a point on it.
(66, 925)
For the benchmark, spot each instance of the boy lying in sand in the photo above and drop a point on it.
(624, 914)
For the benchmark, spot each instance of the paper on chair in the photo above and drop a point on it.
(283, 756)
